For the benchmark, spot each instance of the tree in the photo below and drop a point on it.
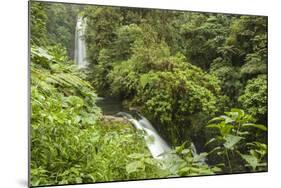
(53, 24)
(203, 35)
(243, 56)
(254, 98)
(234, 143)
(102, 23)
(38, 19)
(174, 94)
(61, 25)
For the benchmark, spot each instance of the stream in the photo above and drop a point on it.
(157, 146)
(155, 143)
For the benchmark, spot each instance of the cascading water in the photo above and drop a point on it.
(156, 145)
(80, 46)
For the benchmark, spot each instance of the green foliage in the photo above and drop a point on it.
(173, 94)
(170, 91)
(143, 166)
(177, 68)
(192, 164)
(229, 77)
(243, 56)
(62, 109)
(61, 25)
(68, 142)
(177, 93)
(101, 33)
(204, 34)
(254, 98)
(53, 24)
(38, 18)
(257, 156)
(102, 23)
(235, 138)
(232, 48)
(126, 36)
(249, 36)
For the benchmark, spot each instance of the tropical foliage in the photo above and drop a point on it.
(70, 143)
(234, 138)
(181, 70)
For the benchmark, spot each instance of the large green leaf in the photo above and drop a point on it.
(259, 126)
(200, 157)
(227, 119)
(214, 126)
(251, 160)
(231, 141)
(216, 119)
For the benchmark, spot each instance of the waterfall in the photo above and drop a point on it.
(80, 46)
(156, 145)
(158, 148)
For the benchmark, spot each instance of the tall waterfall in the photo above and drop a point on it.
(80, 46)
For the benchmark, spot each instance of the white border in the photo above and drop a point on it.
(13, 99)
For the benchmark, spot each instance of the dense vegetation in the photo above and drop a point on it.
(70, 143)
(190, 74)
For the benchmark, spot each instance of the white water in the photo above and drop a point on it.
(80, 46)
(158, 148)
(156, 145)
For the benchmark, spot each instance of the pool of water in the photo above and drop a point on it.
(110, 106)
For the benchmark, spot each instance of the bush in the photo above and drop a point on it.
(254, 98)
(237, 142)
(69, 144)
(174, 94)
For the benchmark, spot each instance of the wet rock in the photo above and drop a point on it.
(109, 118)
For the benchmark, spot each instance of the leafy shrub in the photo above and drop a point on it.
(150, 59)
(172, 93)
(38, 19)
(53, 24)
(235, 138)
(189, 163)
(203, 35)
(69, 144)
(254, 98)
(62, 110)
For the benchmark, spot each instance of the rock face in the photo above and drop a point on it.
(108, 118)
